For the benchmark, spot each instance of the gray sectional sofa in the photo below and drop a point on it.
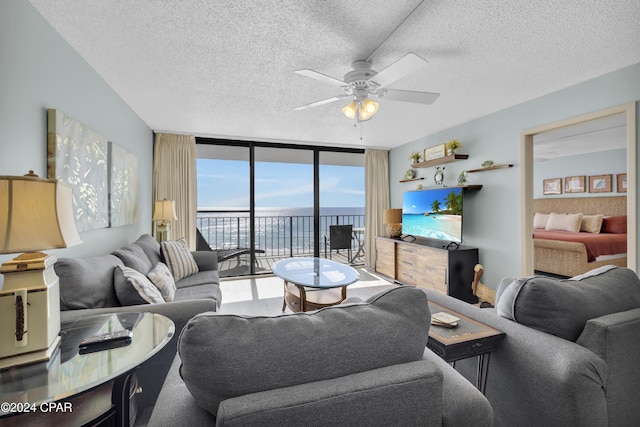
(88, 286)
(358, 364)
(571, 354)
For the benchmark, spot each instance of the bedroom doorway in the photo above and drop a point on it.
(553, 132)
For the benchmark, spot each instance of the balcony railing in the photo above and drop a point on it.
(276, 235)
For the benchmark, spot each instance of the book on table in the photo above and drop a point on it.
(444, 319)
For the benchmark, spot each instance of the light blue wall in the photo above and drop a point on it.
(492, 217)
(39, 70)
(610, 162)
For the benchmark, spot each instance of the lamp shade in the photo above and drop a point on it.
(392, 216)
(35, 214)
(350, 109)
(164, 210)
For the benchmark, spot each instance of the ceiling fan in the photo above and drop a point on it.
(363, 83)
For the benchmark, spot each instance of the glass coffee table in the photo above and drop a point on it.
(313, 283)
(84, 389)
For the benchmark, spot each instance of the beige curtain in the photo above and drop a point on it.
(174, 178)
(376, 171)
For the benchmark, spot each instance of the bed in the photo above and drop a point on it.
(574, 235)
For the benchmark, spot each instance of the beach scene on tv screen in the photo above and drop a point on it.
(435, 214)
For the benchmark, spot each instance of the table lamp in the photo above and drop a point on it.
(392, 220)
(163, 212)
(35, 214)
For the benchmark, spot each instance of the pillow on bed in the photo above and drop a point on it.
(591, 223)
(614, 224)
(564, 222)
(540, 220)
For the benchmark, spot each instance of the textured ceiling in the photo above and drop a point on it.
(226, 68)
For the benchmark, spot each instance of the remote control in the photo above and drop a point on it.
(105, 341)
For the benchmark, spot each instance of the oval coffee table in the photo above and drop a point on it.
(313, 283)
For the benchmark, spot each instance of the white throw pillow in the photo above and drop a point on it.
(540, 220)
(163, 279)
(564, 222)
(178, 258)
(591, 223)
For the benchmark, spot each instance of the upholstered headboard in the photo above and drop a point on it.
(609, 206)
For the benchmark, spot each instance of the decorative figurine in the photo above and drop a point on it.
(462, 178)
(439, 176)
(487, 164)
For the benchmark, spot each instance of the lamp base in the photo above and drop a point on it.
(29, 309)
(162, 232)
(32, 357)
(394, 231)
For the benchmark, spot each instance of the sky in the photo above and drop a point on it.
(225, 184)
(419, 202)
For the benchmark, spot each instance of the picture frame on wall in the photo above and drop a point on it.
(552, 186)
(621, 182)
(575, 184)
(600, 183)
(435, 152)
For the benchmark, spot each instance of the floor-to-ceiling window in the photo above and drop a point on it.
(260, 202)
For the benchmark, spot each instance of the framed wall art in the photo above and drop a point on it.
(435, 152)
(123, 187)
(600, 184)
(552, 186)
(575, 184)
(621, 182)
(78, 156)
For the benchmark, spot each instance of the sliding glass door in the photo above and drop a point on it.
(259, 202)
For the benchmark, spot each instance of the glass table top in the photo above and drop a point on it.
(69, 373)
(315, 272)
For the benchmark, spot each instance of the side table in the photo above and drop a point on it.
(469, 339)
(84, 389)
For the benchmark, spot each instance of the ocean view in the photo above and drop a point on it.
(279, 231)
(444, 227)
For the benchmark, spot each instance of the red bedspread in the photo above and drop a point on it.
(596, 244)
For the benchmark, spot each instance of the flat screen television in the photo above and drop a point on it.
(434, 213)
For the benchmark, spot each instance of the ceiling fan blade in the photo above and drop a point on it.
(322, 77)
(324, 101)
(427, 98)
(402, 67)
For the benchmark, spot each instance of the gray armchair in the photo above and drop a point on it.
(570, 357)
(353, 364)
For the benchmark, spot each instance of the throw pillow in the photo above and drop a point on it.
(591, 223)
(178, 258)
(562, 307)
(150, 247)
(224, 356)
(614, 224)
(163, 279)
(134, 257)
(133, 287)
(87, 282)
(540, 220)
(564, 222)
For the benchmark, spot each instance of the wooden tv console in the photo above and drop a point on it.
(428, 264)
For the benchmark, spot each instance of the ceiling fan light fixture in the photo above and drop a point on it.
(369, 107)
(350, 109)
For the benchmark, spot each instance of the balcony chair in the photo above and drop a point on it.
(340, 237)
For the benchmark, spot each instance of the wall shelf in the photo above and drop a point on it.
(474, 187)
(441, 161)
(412, 179)
(490, 168)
